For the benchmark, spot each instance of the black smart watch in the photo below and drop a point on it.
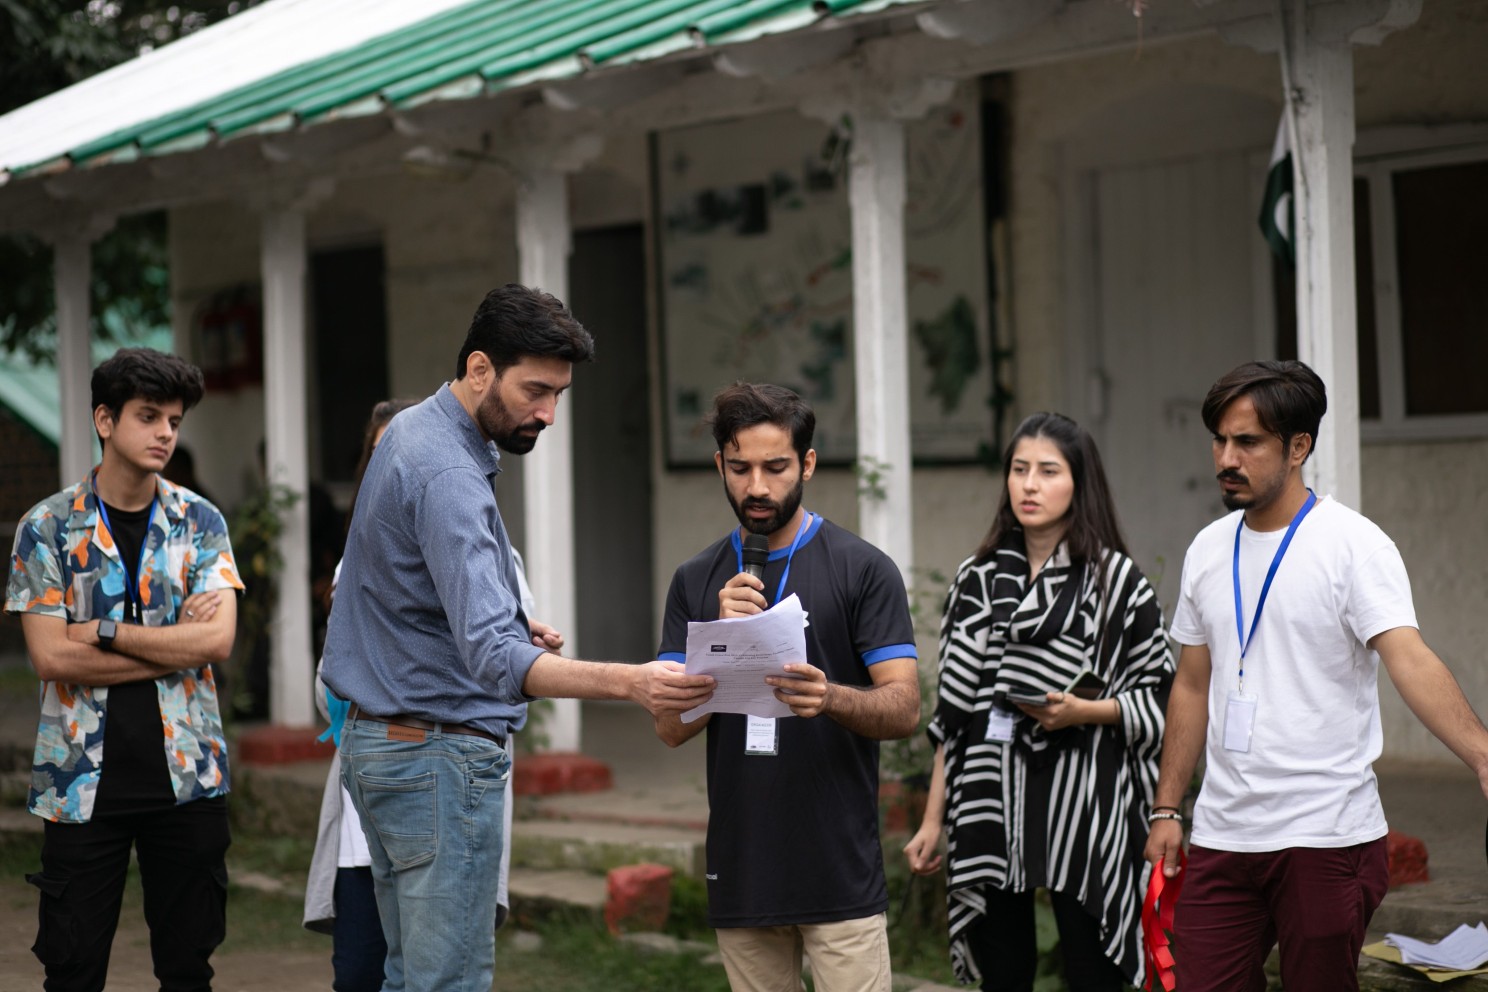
(107, 630)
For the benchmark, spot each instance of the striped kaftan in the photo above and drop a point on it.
(1064, 810)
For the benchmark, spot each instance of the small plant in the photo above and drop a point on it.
(534, 735)
(872, 474)
(908, 760)
(255, 532)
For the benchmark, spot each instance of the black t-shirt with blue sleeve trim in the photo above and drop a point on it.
(793, 838)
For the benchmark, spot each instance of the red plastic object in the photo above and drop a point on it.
(1157, 925)
(1407, 856)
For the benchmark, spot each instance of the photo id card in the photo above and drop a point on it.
(761, 735)
(999, 724)
(1240, 711)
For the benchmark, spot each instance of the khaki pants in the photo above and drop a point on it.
(846, 956)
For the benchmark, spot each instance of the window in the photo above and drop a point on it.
(1427, 337)
(1421, 252)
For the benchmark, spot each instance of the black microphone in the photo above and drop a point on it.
(756, 553)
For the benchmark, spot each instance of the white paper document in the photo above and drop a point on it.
(1464, 949)
(740, 651)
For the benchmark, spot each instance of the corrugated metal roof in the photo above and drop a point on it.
(261, 41)
(477, 48)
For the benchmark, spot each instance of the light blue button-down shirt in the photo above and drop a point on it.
(427, 621)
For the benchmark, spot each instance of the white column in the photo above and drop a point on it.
(543, 247)
(876, 192)
(72, 272)
(1327, 317)
(291, 666)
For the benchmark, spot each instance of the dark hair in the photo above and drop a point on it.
(515, 321)
(1289, 399)
(1093, 529)
(143, 373)
(382, 414)
(749, 404)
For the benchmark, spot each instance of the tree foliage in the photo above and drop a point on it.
(46, 45)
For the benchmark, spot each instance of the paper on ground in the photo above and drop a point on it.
(740, 651)
(1463, 949)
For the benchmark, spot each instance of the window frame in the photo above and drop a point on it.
(1378, 156)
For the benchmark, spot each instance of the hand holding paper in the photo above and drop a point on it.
(741, 652)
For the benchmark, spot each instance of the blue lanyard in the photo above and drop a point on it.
(131, 589)
(1245, 639)
(800, 533)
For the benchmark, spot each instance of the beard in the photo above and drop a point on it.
(497, 423)
(780, 515)
(1259, 497)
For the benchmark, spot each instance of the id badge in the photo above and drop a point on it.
(761, 735)
(999, 724)
(1240, 711)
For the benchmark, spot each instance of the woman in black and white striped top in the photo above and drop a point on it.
(1051, 794)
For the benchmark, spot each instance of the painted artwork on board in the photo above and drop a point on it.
(755, 255)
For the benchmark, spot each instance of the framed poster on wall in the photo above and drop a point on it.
(754, 253)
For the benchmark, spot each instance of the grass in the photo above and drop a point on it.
(585, 958)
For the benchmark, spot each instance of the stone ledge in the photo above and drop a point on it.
(559, 771)
(275, 745)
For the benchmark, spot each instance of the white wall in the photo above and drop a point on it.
(214, 247)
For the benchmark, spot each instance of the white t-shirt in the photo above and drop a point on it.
(1306, 780)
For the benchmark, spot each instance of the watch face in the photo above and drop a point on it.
(106, 630)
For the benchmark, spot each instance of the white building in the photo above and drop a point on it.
(961, 211)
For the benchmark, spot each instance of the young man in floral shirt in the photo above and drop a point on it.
(118, 582)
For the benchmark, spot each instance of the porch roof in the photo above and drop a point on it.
(456, 52)
(29, 388)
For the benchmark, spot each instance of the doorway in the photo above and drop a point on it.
(1171, 289)
(612, 446)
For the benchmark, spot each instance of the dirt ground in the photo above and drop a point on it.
(129, 969)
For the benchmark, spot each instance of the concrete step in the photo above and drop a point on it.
(597, 847)
(15, 786)
(686, 811)
(539, 894)
(14, 819)
(1382, 976)
(278, 800)
(1429, 910)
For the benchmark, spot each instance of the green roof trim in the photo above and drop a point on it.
(652, 31)
(739, 14)
(548, 35)
(481, 47)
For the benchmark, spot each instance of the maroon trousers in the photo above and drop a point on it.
(1315, 902)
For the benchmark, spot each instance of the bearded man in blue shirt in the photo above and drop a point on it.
(429, 644)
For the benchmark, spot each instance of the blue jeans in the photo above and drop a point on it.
(432, 811)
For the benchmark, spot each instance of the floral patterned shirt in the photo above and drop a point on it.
(65, 564)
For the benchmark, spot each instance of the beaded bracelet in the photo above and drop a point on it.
(1154, 816)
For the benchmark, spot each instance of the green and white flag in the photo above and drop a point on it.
(1276, 206)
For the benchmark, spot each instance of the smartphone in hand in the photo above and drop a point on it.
(1086, 685)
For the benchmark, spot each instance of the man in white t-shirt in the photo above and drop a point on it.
(1288, 833)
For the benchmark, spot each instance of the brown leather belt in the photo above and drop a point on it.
(414, 729)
